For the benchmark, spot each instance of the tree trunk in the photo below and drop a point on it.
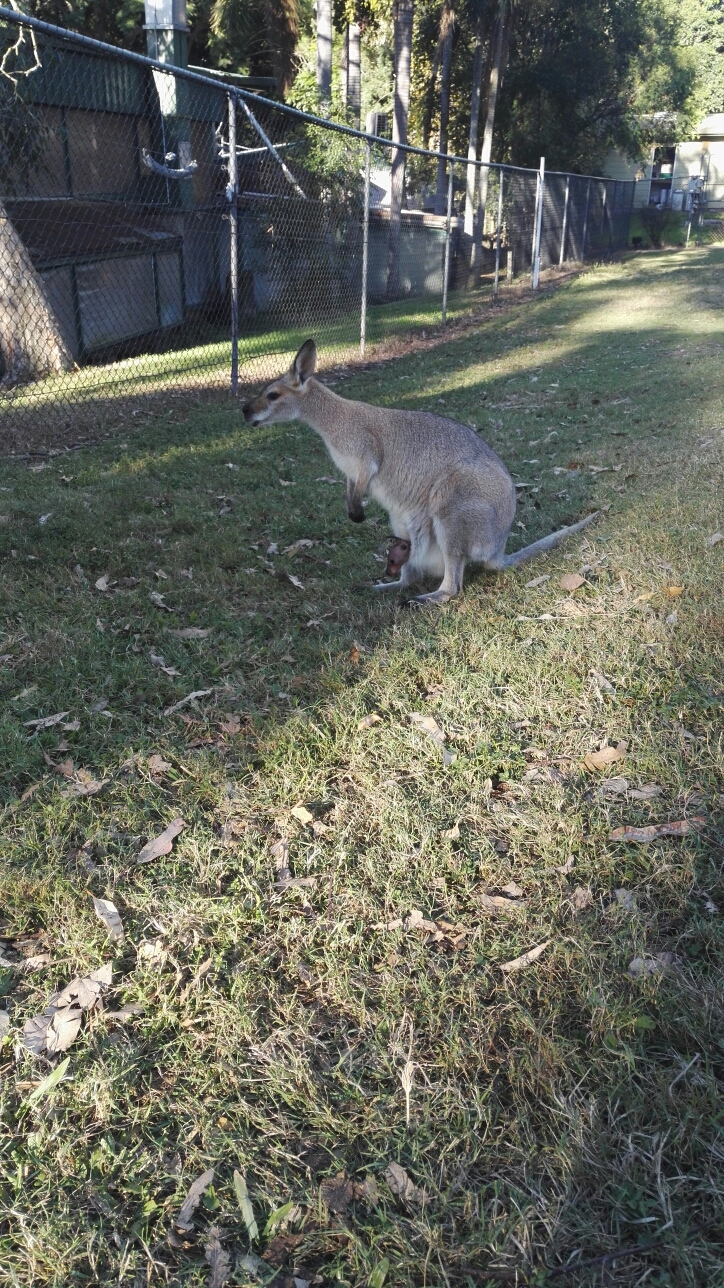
(31, 345)
(478, 62)
(429, 104)
(447, 28)
(403, 13)
(500, 37)
(353, 73)
(324, 50)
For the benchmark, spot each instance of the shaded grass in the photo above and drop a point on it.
(555, 1114)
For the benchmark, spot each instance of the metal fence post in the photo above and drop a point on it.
(365, 252)
(446, 269)
(585, 221)
(540, 188)
(564, 230)
(501, 176)
(231, 195)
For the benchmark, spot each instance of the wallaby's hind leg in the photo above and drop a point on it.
(451, 539)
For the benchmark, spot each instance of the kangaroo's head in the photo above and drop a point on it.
(283, 399)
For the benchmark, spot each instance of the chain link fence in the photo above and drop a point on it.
(164, 232)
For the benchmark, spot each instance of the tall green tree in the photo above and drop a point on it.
(701, 37)
(580, 75)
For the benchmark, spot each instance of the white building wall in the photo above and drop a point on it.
(693, 158)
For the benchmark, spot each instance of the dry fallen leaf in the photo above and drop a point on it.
(72, 727)
(102, 583)
(571, 581)
(289, 882)
(606, 756)
(45, 722)
(162, 844)
(192, 1200)
(280, 854)
(647, 792)
(566, 867)
(66, 768)
(192, 633)
(451, 833)
(614, 786)
(643, 967)
(4, 1023)
(200, 974)
(537, 581)
(497, 903)
(401, 1185)
(368, 721)
(126, 1012)
(289, 576)
(108, 914)
(304, 543)
(60, 1022)
(157, 764)
(625, 899)
(416, 921)
(430, 726)
(673, 592)
(190, 697)
(159, 600)
(526, 959)
(354, 655)
(160, 662)
(714, 539)
(84, 784)
(581, 899)
(603, 683)
(231, 726)
(682, 827)
(152, 952)
(302, 814)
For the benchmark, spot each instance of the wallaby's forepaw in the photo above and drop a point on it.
(388, 585)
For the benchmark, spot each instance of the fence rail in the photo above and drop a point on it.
(161, 230)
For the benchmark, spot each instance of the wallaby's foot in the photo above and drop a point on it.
(434, 597)
(390, 585)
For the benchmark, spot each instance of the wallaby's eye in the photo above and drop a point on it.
(272, 397)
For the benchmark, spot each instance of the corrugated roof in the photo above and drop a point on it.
(58, 232)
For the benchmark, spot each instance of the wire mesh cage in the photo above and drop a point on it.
(162, 231)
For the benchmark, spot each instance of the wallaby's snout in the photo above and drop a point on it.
(281, 399)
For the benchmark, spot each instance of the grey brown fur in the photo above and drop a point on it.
(445, 490)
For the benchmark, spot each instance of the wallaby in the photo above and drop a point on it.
(449, 497)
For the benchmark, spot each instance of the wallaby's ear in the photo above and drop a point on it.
(305, 362)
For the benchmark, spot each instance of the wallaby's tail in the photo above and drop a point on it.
(546, 543)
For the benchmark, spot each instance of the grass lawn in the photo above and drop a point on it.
(320, 991)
